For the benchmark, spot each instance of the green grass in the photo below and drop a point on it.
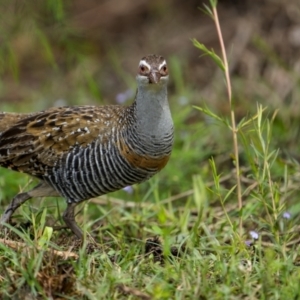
(177, 236)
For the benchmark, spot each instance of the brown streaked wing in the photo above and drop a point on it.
(35, 143)
(9, 119)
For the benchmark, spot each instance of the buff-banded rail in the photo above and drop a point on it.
(82, 152)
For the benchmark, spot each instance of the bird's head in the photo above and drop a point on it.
(153, 71)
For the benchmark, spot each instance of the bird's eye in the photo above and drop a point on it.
(164, 70)
(142, 69)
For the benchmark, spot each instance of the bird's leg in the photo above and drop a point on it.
(69, 218)
(41, 190)
(17, 201)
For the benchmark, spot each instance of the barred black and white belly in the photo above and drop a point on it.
(94, 171)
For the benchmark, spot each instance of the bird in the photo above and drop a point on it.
(81, 152)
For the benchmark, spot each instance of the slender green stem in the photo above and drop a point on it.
(233, 123)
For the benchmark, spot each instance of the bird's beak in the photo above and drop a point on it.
(154, 77)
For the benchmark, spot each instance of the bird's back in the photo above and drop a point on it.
(81, 151)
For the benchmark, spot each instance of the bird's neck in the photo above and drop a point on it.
(153, 116)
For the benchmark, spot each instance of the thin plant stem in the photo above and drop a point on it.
(233, 123)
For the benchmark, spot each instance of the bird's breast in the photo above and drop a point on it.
(143, 161)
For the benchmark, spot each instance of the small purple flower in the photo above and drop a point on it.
(248, 243)
(254, 234)
(128, 189)
(123, 97)
(286, 215)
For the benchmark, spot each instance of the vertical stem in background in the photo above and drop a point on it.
(233, 124)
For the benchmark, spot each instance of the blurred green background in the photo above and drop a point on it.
(74, 52)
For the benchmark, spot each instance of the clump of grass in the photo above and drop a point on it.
(254, 134)
(223, 65)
